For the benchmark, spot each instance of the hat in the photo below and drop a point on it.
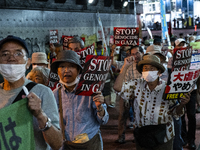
(150, 60)
(197, 38)
(66, 56)
(178, 41)
(39, 58)
(99, 42)
(14, 38)
(155, 49)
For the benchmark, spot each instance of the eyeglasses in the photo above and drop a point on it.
(6, 55)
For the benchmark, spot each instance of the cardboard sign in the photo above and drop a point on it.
(53, 38)
(181, 80)
(16, 127)
(94, 75)
(53, 81)
(84, 52)
(126, 36)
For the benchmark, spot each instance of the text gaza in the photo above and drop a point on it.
(103, 65)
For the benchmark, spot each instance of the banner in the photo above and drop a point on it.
(53, 38)
(182, 79)
(103, 36)
(16, 127)
(94, 75)
(126, 36)
(84, 52)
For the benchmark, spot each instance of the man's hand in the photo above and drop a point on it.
(128, 61)
(185, 99)
(98, 99)
(34, 104)
(52, 47)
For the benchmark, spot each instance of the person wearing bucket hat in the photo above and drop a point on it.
(81, 114)
(40, 101)
(148, 104)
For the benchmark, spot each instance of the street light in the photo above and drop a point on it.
(125, 3)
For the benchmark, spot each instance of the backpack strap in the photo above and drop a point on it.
(29, 86)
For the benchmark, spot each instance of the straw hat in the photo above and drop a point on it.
(39, 58)
(150, 60)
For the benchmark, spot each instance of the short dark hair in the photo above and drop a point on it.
(76, 39)
(133, 47)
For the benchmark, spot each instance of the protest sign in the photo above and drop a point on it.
(126, 36)
(182, 79)
(16, 127)
(53, 38)
(195, 61)
(164, 50)
(84, 52)
(94, 75)
(53, 81)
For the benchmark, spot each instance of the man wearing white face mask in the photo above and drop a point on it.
(41, 102)
(81, 115)
(153, 124)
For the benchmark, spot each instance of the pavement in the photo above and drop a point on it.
(110, 132)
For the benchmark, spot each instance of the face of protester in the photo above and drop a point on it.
(136, 54)
(13, 53)
(74, 46)
(181, 44)
(99, 46)
(150, 68)
(68, 72)
(37, 77)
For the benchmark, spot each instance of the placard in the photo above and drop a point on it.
(126, 36)
(53, 38)
(94, 75)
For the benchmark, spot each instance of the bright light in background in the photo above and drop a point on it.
(90, 1)
(125, 3)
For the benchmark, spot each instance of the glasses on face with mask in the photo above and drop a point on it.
(17, 55)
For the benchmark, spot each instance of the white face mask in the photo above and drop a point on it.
(150, 76)
(72, 83)
(12, 72)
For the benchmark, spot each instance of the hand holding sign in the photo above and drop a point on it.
(185, 99)
(98, 99)
(34, 104)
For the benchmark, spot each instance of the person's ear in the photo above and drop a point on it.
(159, 72)
(28, 63)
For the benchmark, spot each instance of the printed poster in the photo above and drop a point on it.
(84, 52)
(126, 36)
(94, 75)
(53, 38)
(182, 79)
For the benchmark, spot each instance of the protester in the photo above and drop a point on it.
(38, 59)
(126, 105)
(99, 51)
(81, 114)
(149, 107)
(39, 75)
(75, 44)
(41, 102)
(55, 49)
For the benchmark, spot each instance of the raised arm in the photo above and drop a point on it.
(119, 81)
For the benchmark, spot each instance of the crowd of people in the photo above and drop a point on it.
(137, 79)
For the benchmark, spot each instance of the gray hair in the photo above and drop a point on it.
(43, 70)
(76, 39)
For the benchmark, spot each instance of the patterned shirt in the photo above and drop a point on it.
(132, 73)
(149, 107)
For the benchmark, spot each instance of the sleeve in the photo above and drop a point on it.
(127, 91)
(49, 106)
(102, 120)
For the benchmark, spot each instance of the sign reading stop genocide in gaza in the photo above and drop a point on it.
(126, 36)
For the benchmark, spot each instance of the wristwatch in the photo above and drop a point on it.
(47, 126)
